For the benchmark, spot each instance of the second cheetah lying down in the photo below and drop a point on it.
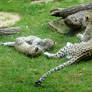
(31, 45)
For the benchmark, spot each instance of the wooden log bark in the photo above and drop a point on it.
(8, 31)
(59, 12)
(58, 26)
(74, 21)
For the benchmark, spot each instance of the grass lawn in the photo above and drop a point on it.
(19, 72)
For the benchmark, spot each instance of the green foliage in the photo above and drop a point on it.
(19, 72)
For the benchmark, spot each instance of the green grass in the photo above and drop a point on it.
(19, 72)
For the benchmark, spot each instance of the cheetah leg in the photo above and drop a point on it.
(69, 44)
(80, 37)
(57, 55)
(38, 82)
(60, 53)
(8, 44)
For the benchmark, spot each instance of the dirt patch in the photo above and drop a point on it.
(8, 19)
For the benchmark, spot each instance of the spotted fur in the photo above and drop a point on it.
(74, 52)
(31, 45)
(87, 22)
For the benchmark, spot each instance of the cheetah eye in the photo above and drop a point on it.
(36, 49)
(87, 18)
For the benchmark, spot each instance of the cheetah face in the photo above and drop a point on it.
(35, 50)
(87, 19)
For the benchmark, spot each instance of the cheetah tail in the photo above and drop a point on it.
(38, 82)
(8, 44)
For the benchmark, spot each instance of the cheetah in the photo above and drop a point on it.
(75, 52)
(87, 22)
(31, 45)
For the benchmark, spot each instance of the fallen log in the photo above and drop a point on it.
(58, 26)
(8, 31)
(64, 12)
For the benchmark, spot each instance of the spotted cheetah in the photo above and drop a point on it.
(87, 22)
(31, 45)
(74, 52)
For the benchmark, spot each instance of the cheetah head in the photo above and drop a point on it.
(34, 50)
(87, 19)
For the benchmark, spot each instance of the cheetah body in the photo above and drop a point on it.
(74, 52)
(31, 45)
(71, 50)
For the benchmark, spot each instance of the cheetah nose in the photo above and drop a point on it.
(36, 49)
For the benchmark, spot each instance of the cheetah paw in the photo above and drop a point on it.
(79, 36)
(47, 54)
